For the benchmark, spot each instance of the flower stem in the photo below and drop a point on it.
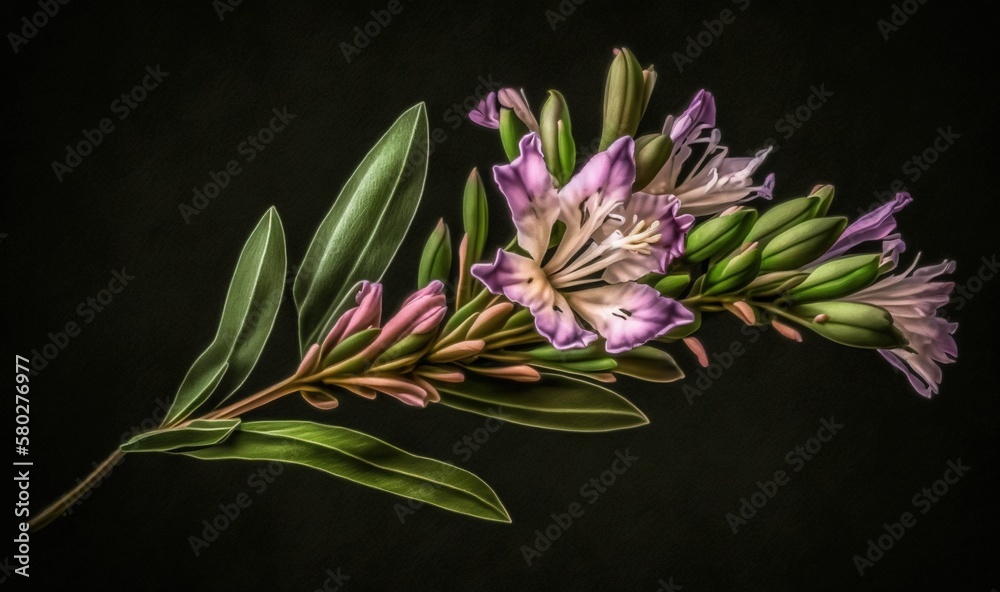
(58, 507)
(68, 499)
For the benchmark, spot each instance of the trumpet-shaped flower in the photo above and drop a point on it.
(700, 171)
(913, 299)
(611, 237)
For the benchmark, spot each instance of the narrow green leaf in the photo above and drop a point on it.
(555, 403)
(361, 233)
(649, 364)
(200, 432)
(247, 318)
(363, 459)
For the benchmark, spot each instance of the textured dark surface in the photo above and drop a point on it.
(665, 517)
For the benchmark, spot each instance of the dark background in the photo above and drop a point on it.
(664, 519)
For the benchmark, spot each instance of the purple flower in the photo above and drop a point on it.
(913, 299)
(487, 112)
(878, 224)
(699, 171)
(611, 238)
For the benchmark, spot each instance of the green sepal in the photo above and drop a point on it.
(512, 129)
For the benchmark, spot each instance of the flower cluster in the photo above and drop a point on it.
(611, 250)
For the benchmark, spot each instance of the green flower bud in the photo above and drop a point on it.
(852, 323)
(351, 347)
(476, 216)
(837, 278)
(802, 244)
(512, 129)
(557, 137)
(435, 263)
(774, 283)
(718, 235)
(651, 153)
(624, 96)
(825, 195)
(782, 217)
(732, 273)
(673, 285)
(404, 348)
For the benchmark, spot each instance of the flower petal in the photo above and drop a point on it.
(487, 112)
(367, 314)
(607, 176)
(699, 114)
(875, 225)
(533, 202)
(672, 230)
(521, 280)
(628, 314)
(515, 100)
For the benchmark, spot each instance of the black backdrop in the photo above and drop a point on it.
(663, 522)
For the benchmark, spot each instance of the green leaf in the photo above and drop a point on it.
(366, 225)
(247, 318)
(555, 403)
(363, 459)
(200, 432)
(649, 364)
